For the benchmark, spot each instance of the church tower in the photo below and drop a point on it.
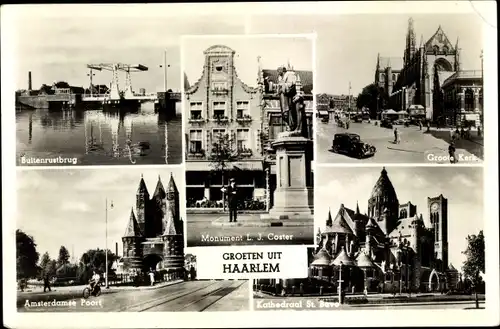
(132, 247)
(173, 235)
(160, 208)
(142, 200)
(410, 43)
(438, 216)
(383, 204)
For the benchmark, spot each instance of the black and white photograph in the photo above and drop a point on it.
(101, 93)
(406, 89)
(110, 240)
(249, 139)
(391, 238)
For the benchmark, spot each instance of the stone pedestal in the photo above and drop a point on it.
(294, 196)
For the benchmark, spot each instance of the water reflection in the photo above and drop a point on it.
(100, 137)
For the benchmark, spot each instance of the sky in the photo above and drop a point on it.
(58, 48)
(462, 186)
(274, 51)
(67, 207)
(347, 45)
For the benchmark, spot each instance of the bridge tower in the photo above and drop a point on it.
(114, 90)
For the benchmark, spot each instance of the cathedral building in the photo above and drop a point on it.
(389, 247)
(154, 236)
(416, 81)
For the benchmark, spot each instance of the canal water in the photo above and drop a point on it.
(98, 137)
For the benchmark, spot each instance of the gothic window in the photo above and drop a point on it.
(382, 77)
(469, 100)
(435, 49)
(445, 50)
(394, 78)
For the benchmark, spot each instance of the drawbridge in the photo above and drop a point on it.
(114, 93)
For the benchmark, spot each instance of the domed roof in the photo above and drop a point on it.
(364, 261)
(322, 258)
(383, 187)
(343, 259)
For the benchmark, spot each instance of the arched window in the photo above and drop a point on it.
(435, 49)
(469, 100)
(445, 50)
(394, 78)
(382, 77)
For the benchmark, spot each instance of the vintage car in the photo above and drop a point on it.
(386, 123)
(358, 119)
(398, 122)
(351, 145)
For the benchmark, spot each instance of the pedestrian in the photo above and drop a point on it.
(232, 200)
(420, 124)
(451, 153)
(46, 283)
(152, 276)
(428, 126)
(396, 136)
(452, 137)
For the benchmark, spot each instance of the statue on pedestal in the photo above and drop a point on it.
(291, 102)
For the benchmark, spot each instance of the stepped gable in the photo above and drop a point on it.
(132, 229)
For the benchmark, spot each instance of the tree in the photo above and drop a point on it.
(44, 262)
(372, 97)
(222, 154)
(27, 256)
(51, 268)
(96, 259)
(62, 84)
(474, 263)
(63, 258)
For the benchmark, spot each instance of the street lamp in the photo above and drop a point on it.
(106, 252)
(340, 283)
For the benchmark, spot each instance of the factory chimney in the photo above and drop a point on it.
(29, 81)
(116, 249)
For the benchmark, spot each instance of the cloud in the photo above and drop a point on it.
(75, 206)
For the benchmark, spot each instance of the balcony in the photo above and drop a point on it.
(196, 155)
(245, 152)
(220, 119)
(196, 119)
(244, 119)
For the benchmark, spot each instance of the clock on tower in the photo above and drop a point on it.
(434, 207)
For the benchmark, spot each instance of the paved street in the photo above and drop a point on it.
(415, 147)
(201, 231)
(314, 303)
(194, 296)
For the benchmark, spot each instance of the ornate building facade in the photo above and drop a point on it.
(154, 237)
(418, 78)
(219, 104)
(389, 247)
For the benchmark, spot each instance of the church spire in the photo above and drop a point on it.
(410, 42)
(357, 208)
(457, 57)
(329, 220)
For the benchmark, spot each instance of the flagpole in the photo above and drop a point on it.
(106, 278)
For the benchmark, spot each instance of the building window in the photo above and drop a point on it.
(394, 78)
(218, 133)
(195, 138)
(219, 109)
(382, 77)
(219, 86)
(242, 139)
(242, 109)
(195, 109)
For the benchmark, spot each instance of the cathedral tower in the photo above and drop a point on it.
(142, 200)
(159, 200)
(173, 236)
(438, 216)
(383, 204)
(410, 43)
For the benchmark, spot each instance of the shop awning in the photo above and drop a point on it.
(239, 165)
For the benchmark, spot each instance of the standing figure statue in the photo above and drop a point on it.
(291, 102)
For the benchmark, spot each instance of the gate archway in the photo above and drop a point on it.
(433, 281)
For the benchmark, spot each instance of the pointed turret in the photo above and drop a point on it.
(172, 188)
(142, 186)
(343, 259)
(132, 229)
(329, 220)
(159, 190)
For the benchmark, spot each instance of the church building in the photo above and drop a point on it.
(388, 247)
(415, 82)
(154, 236)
